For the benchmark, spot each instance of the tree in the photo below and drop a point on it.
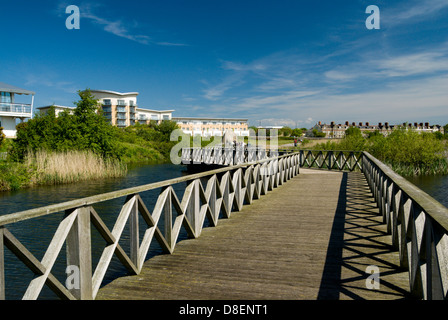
(374, 134)
(296, 132)
(2, 136)
(318, 134)
(353, 131)
(285, 131)
(87, 106)
(95, 133)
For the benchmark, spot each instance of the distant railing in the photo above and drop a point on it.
(210, 195)
(331, 160)
(225, 156)
(418, 225)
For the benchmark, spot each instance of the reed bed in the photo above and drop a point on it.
(72, 166)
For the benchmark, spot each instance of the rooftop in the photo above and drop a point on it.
(115, 93)
(4, 87)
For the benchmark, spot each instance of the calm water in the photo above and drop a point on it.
(36, 234)
(435, 186)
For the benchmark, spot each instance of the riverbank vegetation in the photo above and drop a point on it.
(407, 152)
(79, 145)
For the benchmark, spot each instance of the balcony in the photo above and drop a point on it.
(15, 109)
(121, 109)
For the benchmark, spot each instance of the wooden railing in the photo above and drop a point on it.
(331, 160)
(418, 225)
(210, 195)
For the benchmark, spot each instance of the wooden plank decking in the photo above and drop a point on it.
(311, 238)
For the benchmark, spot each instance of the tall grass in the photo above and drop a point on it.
(71, 166)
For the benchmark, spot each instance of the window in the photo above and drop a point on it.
(106, 102)
(154, 117)
(6, 97)
(121, 103)
(166, 117)
(121, 109)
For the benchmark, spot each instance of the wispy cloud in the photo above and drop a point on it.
(215, 92)
(414, 11)
(294, 88)
(117, 27)
(120, 27)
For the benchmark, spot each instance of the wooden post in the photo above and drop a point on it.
(2, 266)
(168, 213)
(192, 211)
(79, 254)
(133, 233)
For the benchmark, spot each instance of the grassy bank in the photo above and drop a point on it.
(79, 145)
(45, 168)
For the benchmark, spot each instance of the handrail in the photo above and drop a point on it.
(431, 206)
(226, 155)
(226, 190)
(87, 201)
(418, 225)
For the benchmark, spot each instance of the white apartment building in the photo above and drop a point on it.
(121, 108)
(147, 115)
(207, 127)
(11, 112)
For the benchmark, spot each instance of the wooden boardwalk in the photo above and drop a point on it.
(311, 238)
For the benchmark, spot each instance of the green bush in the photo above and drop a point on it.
(406, 151)
(2, 137)
(85, 129)
(14, 176)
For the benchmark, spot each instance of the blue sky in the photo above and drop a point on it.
(274, 62)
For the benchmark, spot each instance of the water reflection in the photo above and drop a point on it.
(36, 234)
